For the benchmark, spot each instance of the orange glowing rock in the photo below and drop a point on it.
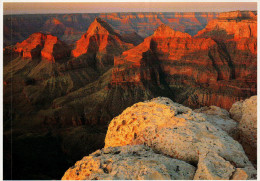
(54, 49)
(235, 24)
(44, 46)
(169, 46)
(100, 37)
(32, 46)
(221, 58)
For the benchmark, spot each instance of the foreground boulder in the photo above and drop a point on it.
(245, 113)
(185, 146)
(174, 130)
(129, 162)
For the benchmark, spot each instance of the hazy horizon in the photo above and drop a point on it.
(120, 7)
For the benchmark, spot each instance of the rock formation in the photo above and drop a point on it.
(129, 163)
(245, 113)
(167, 48)
(44, 46)
(215, 67)
(174, 130)
(54, 49)
(236, 24)
(101, 41)
(218, 117)
(18, 28)
(236, 32)
(169, 129)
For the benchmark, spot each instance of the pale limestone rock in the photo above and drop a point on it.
(236, 111)
(218, 117)
(136, 162)
(248, 122)
(213, 167)
(245, 112)
(174, 130)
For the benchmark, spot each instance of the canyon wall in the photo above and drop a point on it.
(217, 69)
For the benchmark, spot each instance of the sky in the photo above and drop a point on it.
(99, 7)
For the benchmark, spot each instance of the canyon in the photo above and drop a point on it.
(70, 27)
(67, 76)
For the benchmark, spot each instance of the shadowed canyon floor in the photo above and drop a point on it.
(67, 76)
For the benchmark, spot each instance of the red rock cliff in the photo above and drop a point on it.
(44, 46)
(214, 68)
(176, 52)
(100, 39)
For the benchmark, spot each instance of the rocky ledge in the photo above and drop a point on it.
(160, 139)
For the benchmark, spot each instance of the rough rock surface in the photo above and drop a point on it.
(236, 111)
(213, 167)
(129, 162)
(248, 122)
(219, 117)
(174, 130)
(245, 112)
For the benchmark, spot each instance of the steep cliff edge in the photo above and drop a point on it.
(236, 34)
(170, 50)
(170, 129)
(215, 67)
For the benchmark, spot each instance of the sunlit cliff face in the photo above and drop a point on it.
(41, 45)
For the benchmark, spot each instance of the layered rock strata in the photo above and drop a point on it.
(101, 41)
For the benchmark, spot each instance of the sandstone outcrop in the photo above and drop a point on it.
(41, 45)
(168, 48)
(32, 46)
(245, 113)
(237, 24)
(136, 162)
(54, 49)
(101, 41)
(217, 66)
(236, 32)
